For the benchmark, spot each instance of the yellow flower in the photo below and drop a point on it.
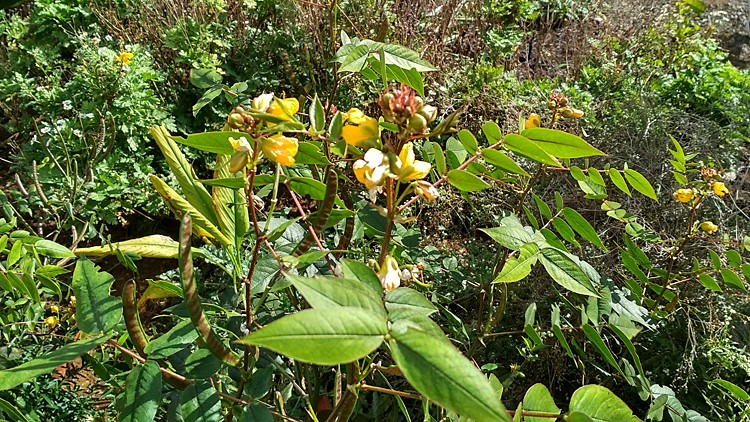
(426, 190)
(532, 122)
(709, 227)
(261, 102)
(408, 168)
(720, 189)
(362, 129)
(283, 109)
(54, 309)
(280, 149)
(389, 274)
(372, 171)
(240, 145)
(52, 321)
(683, 195)
(124, 58)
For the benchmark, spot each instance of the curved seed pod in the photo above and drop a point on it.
(324, 212)
(133, 319)
(212, 341)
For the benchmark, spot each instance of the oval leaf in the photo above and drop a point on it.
(502, 161)
(566, 272)
(523, 146)
(561, 144)
(601, 405)
(142, 394)
(326, 292)
(465, 181)
(538, 399)
(640, 183)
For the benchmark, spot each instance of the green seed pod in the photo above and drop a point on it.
(236, 121)
(417, 123)
(238, 161)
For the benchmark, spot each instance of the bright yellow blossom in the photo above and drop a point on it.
(280, 149)
(362, 129)
(124, 58)
(720, 189)
(709, 227)
(683, 195)
(54, 309)
(407, 166)
(283, 109)
(52, 321)
(532, 122)
(372, 171)
(389, 274)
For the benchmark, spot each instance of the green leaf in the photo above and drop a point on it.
(558, 332)
(12, 411)
(631, 349)
(492, 132)
(207, 97)
(96, 310)
(325, 336)
(560, 144)
(53, 250)
(565, 231)
(596, 176)
(306, 186)
(511, 237)
(174, 340)
(317, 115)
(502, 161)
(439, 159)
(455, 152)
(256, 413)
(202, 364)
(309, 153)
(566, 272)
(199, 402)
(640, 183)
(544, 210)
(708, 282)
(406, 298)
(204, 78)
(516, 269)
(468, 141)
(733, 389)
(359, 271)
(602, 348)
(582, 227)
(399, 56)
(436, 369)
(154, 246)
(732, 279)
(523, 146)
(466, 182)
(214, 142)
(618, 181)
(538, 399)
(601, 405)
(334, 128)
(45, 364)
(142, 394)
(327, 292)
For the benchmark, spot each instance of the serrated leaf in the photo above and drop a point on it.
(142, 394)
(566, 272)
(560, 144)
(325, 336)
(466, 182)
(96, 310)
(435, 368)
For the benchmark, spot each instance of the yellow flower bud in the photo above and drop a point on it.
(52, 321)
(683, 195)
(709, 227)
(720, 189)
(533, 122)
(389, 274)
(262, 102)
(280, 149)
(54, 309)
(426, 190)
(73, 301)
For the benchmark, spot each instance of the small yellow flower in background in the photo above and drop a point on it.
(720, 189)
(283, 109)
(124, 58)
(280, 149)
(73, 301)
(52, 321)
(532, 122)
(54, 309)
(361, 130)
(683, 195)
(408, 168)
(372, 171)
(426, 190)
(709, 227)
(389, 274)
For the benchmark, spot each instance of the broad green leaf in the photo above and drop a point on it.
(418, 319)
(516, 269)
(174, 340)
(306, 186)
(142, 394)
(215, 142)
(466, 182)
(202, 364)
(52, 249)
(356, 59)
(618, 180)
(406, 298)
(708, 282)
(602, 348)
(523, 146)
(734, 257)
(436, 369)
(601, 405)
(510, 237)
(538, 399)
(596, 176)
(199, 402)
(732, 279)
(334, 128)
(46, 363)
(455, 152)
(359, 271)
(256, 413)
(399, 56)
(204, 78)
(96, 310)
(564, 230)
(640, 183)
(468, 141)
(566, 272)
(309, 153)
(582, 227)
(560, 144)
(206, 98)
(325, 336)
(492, 132)
(154, 246)
(326, 292)
(733, 389)
(502, 161)
(544, 210)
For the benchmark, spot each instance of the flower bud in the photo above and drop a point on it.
(54, 309)
(426, 190)
(683, 195)
(571, 113)
(238, 161)
(52, 321)
(417, 123)
(428, 112)
(236, 121)
(709, 227)
(720, 189)
(551, 104)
